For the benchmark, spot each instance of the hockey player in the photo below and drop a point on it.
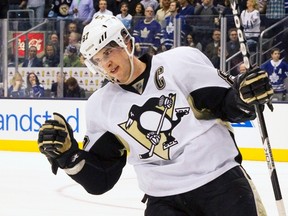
(170, 111)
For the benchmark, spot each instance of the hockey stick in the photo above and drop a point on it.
(151, 150)
(260, 117)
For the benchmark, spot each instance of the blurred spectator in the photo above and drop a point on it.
(169, 27)
(74, 40)
(208, 20)
(277, 70)
(186, 9)
(16, 89)
(138, 14)
(227, 12)
(125, 18)
(73, 89)
(190, 42)
(233, 47)
(71, 26)
(54, 40)
(60, 9)
(32, 60)
(163, 12)
(103, 9)
(275, 11)
(54, 86)
(16, 17)
(132, 4)
(250, 19)
(38, 6)
(215, 59)
(152, 3)
(82, 11)
(34, 88)
(11, 60)
(51, 58)
(212, 48)
(72, 59)
(147, 33)
(242, 68)
(111, 5)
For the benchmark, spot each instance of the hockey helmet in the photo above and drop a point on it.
(101, 31)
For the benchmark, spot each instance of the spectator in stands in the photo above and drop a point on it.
(163, 12)
(233, 47)
(74, 40)
(112, 5)
(152, 3)
(190, 42)
(275, 11)
(60, 9)
(138, 14)
(72, 59)
(72, 27)
(103, 9)
(125, 18)
(16, 89)
(54, 40)
(54, 86)
(277, 70)
(242, 68)
(34, 87)
(50, 59)
(73, 89)
(251, 21)
(212, 48)
(186, 9)
(11, 60)
(169, 27)
(38, 6)
(215, 59)
(82, 11)
(208, 21)
(227, 12)
(147, 33)
(32, 60)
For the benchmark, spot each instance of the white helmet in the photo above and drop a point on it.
(102, 30)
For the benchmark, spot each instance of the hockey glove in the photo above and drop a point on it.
(56, 141)
(253, 87)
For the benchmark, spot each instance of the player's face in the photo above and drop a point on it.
(114, 61)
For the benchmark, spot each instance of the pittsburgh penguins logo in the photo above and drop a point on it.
(152, 125)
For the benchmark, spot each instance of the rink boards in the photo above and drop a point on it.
(20, 121)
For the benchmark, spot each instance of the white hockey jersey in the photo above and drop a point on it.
(172, 150)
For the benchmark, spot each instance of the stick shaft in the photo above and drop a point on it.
(260, 117)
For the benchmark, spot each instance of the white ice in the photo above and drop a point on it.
(28, 188)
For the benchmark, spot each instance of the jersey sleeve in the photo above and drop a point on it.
(99, 165)
(99, 169)
(209, 92)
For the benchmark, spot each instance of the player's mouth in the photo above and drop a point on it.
(114, 70)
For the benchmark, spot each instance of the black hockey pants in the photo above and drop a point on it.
(231, 194)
